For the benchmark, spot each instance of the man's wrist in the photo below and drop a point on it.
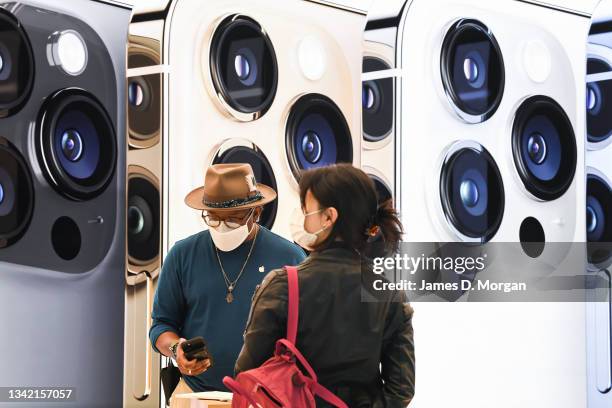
(173, 348)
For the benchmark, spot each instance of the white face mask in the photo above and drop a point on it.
(227, 239)
(302, 237)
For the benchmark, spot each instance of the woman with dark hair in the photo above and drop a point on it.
(361, 351)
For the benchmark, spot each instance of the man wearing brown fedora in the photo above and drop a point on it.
(208, 279)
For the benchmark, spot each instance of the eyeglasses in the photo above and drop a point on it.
(231, 222)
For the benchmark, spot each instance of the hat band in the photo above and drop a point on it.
(236, 202)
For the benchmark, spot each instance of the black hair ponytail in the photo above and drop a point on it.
(388, 226)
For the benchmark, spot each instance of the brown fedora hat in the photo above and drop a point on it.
(229, 187)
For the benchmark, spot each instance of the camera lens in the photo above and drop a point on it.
(77, 145)
(377, 102)
(599, 219)
(144, 111)
(243, 65)
(143, 222)
(469, 193)
(16, 65)
(317, 134)
(136, 220)
(311, 147)
(72, 145)
(247, 152)
(472, 70)
(369, 96)
(135, 94)
(144, 103)
(594, 212)
(592, 98)
(544, 147)
(472, 192)
(16, 195)
(599, 106)
(536, 148)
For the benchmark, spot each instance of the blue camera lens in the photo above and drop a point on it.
(599, 205)
(536, 148)
(317, 134)
(311, 147)
(469, 193)
(16, 65)
(245, 67)
(135, 220)
(592, 211)
(78, 145)
(135, 94)
(242, 67)
(243, 64)
(72, 145)
(317, 146)
(16, 195)
(544, 147)
(473, 70)
(5, 63)
(143, 219)
(472, 193)
(144, 107)
(368, 97)
(599, 221)
(470, 70)
(7, 192)
(377, 99)
(598, 106)
(592, 98)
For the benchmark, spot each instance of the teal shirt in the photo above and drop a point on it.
(190, 297)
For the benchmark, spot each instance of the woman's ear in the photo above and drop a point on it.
(331, 214)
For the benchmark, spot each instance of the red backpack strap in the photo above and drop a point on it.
(292, 326)
(283, 346)
(293, 306)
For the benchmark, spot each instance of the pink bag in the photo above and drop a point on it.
(279, 382)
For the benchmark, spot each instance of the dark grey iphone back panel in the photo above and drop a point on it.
(62, 321)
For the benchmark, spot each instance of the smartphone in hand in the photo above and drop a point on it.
(196, 349)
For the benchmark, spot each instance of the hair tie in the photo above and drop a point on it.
(373, 231)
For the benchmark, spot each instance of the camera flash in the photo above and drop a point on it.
(312, 58)
(67, 50)
(537, 61)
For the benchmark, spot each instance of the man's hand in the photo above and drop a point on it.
(190, 367)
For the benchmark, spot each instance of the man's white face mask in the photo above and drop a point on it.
(227, 239)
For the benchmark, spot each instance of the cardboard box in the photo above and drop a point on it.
(202, 400)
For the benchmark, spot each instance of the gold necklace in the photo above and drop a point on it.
(229, 298)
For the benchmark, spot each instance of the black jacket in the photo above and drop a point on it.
(362, 351)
